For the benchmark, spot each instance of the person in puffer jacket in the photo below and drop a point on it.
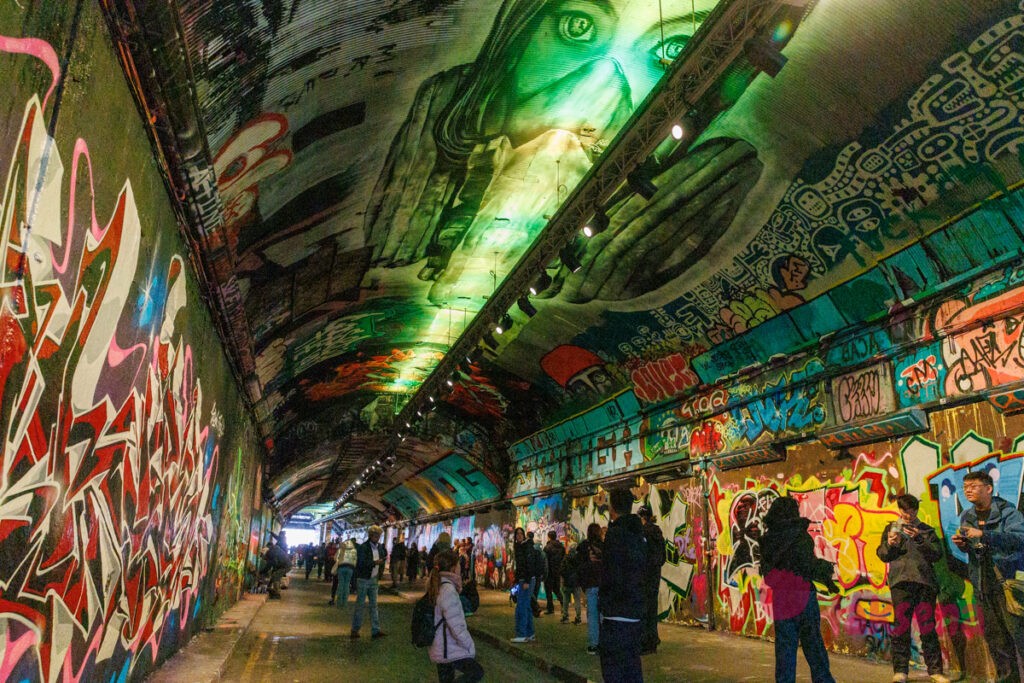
(452, 650)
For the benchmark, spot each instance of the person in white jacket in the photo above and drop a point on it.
(452, 650)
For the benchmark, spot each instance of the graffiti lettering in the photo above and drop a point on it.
(663, 378)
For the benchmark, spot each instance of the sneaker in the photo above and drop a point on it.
(378, 634)
(520, 639)
(577, 621)
(330, 603)
(353, 635)
(938, 678)
(591, 649)
(899, 678)
(565, 619)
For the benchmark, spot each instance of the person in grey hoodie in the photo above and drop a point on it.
(453, 649)
(911, 548)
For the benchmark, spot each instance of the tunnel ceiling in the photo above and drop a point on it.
(378, 168)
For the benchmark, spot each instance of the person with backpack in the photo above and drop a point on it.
(590, 579)
(571, 591)
(649, 639)
(451, 647)
(790, 568)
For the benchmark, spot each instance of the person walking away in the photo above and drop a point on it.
(309, 559)
(540, 570)
(443, 542)
(332, 551)
(424, 561)
(590, 581)
(571, 591)
(655, 540)
(370, 559)
(526, 579)
(398, 557)
(278, 564)
(321, 555)
(453, 649)
(621, 596)
(344, 568)
(911, 548)
(412, 562)
(789, 567)
(992, 534)
(555, 553)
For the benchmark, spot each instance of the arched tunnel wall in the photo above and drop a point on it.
(849, 494)
(129, 497)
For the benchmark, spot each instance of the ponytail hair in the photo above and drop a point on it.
(443, 562)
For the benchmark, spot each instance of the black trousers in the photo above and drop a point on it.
(469, 668)
(553, 586)
(1004, 633)
(649, 639)
(915, 601)
(619, 647)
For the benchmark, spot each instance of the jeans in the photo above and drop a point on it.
(524, 612)
(915, 600)
(593, 620)
(574, 594)
(805, 630)
(620, 651)
(366, 588)
(470, 669)
(397, 570)
(344, 584)
(1004, 633)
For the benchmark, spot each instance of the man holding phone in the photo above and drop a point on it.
(992, 534)
(911, 548)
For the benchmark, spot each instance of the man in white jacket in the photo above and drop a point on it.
(452, 650)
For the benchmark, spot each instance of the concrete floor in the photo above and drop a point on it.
(301, 639)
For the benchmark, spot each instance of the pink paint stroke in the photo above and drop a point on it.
(39, 49)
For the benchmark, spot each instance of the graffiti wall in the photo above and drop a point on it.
(129, 463)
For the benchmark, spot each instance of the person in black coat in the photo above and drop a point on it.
(526, 579)
(555, 552)
(789, 567)
(911, 548)
(621, 597)
(412, 562)
(652, 579)
(588, 578)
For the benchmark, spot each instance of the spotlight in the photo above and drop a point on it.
(764, 56)
(408, 425)
(431, 398)
(641, 184)
(542, 283)
(597, 224)
(504, 324)
(450, 381)
(465, 367)
(569, 259)
(677, 131)
(489, 339)
(525, 306)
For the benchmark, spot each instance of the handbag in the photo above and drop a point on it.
(1013, 591)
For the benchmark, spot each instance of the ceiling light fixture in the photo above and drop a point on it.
(597, 224)
(569, 259)
(526, 307)
(542, 283)
(641, 184)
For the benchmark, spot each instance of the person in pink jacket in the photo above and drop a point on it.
(452, 650)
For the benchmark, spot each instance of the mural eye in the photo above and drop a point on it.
(671, 47)
(577, 27)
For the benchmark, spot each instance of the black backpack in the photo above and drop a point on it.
(571, 567)
(423, 626)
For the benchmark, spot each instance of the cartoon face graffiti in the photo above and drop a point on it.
(577, 370)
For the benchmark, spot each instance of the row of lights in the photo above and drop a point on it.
(599, 222)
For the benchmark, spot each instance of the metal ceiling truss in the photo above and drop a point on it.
(712, 50)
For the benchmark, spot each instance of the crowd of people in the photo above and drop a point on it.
(613, 576)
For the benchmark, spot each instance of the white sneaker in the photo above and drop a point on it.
(899, 678)
(526, 639)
